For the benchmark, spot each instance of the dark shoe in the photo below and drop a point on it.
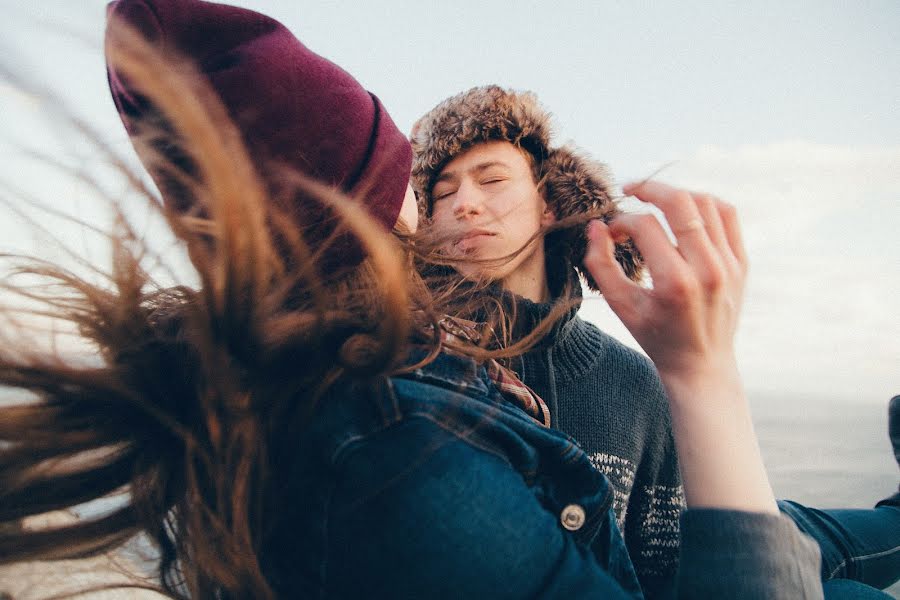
(894, 433)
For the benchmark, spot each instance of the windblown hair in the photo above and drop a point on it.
(196, 382)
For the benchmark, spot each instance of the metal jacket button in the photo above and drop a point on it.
(572, 517)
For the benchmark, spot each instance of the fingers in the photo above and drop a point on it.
(707, 206)
(710, 249)
(706, 228)
(732, 231)
(684, 217)
(618, 290)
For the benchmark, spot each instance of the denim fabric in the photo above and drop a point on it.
(431, 485)
(844, 589)
(858, 544)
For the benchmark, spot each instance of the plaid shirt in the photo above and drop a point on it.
(512, 388)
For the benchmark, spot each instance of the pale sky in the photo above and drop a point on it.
(790, 112)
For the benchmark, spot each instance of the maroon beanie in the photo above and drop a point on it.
(292, 106)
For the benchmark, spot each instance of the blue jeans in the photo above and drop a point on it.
(844, 589)
(857, 544)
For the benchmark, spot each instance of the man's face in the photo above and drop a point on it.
(487, 202)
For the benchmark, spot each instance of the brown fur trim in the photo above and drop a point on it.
(572, 183)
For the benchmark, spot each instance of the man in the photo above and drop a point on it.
(489, 179)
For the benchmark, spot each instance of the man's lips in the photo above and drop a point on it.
(473, 237)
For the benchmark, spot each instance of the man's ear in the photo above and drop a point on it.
(548, 217)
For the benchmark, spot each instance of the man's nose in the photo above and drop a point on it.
(468, 201)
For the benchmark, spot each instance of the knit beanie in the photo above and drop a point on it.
(572, 182)
(292, 107)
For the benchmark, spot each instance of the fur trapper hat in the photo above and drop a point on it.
(572, 182)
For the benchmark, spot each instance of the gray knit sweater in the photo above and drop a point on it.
(611, 400)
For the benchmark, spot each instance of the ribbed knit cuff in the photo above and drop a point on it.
(735, 554)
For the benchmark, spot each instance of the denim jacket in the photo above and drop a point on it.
(432, 485)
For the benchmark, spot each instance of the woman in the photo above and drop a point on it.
(298, 424)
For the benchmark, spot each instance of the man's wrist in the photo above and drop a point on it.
(718, 381)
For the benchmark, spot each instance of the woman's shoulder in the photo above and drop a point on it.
(422, 511)
(432, 464)
(460, 473)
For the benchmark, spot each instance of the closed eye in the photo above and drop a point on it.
(442, 195)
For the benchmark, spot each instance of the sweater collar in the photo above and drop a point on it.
(573, 345)
(529, 314)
